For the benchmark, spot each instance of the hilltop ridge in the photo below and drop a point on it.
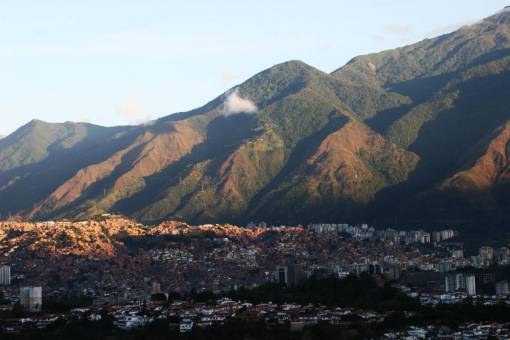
(415, 134)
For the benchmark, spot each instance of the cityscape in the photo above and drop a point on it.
(149, 273)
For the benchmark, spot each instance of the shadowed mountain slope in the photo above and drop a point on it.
(416, 135)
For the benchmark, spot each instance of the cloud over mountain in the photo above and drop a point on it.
(235, 104)
(414, 136)
(132, 111)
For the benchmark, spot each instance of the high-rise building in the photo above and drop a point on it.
(447, 234)
(503, 256)
(425, 237)
(443, 235)
(450, 282)
(290, 275)
(454, 282)
(436, 236)
(485, 279)
(502, 289)
(281, 274)
(471, 284)
(5, 275)
(31, 298)
(486, 255)
(155, 288)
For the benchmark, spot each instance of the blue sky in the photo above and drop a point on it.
(115, 62)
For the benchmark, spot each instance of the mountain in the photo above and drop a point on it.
(35, 158)
(459, 86)
(415, 136)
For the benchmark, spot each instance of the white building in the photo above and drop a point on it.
(31, 298)
(471, 284)
(455, 282)
(5, 275)
(130, 321)
(458, 253)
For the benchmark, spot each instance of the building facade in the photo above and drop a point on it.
(5, 275)
(502, 289)
(471, 284)
(290, 275)
(31, 298)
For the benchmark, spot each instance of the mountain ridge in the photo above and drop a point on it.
(377, 140)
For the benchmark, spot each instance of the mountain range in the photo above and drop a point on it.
(418, 135)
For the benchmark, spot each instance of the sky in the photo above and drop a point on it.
(116, 62)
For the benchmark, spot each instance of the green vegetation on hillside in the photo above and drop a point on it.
(410, 135)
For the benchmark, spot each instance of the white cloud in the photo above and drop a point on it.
(132, 111)
(234, 104)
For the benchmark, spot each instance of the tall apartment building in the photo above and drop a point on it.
(455, 282)
(471, 284)
(443, 235)
(290, 275)
(5, 275)
(31, 298)
(155, 288)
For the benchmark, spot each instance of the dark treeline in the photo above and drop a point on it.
(353, 291)
(231, 330)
